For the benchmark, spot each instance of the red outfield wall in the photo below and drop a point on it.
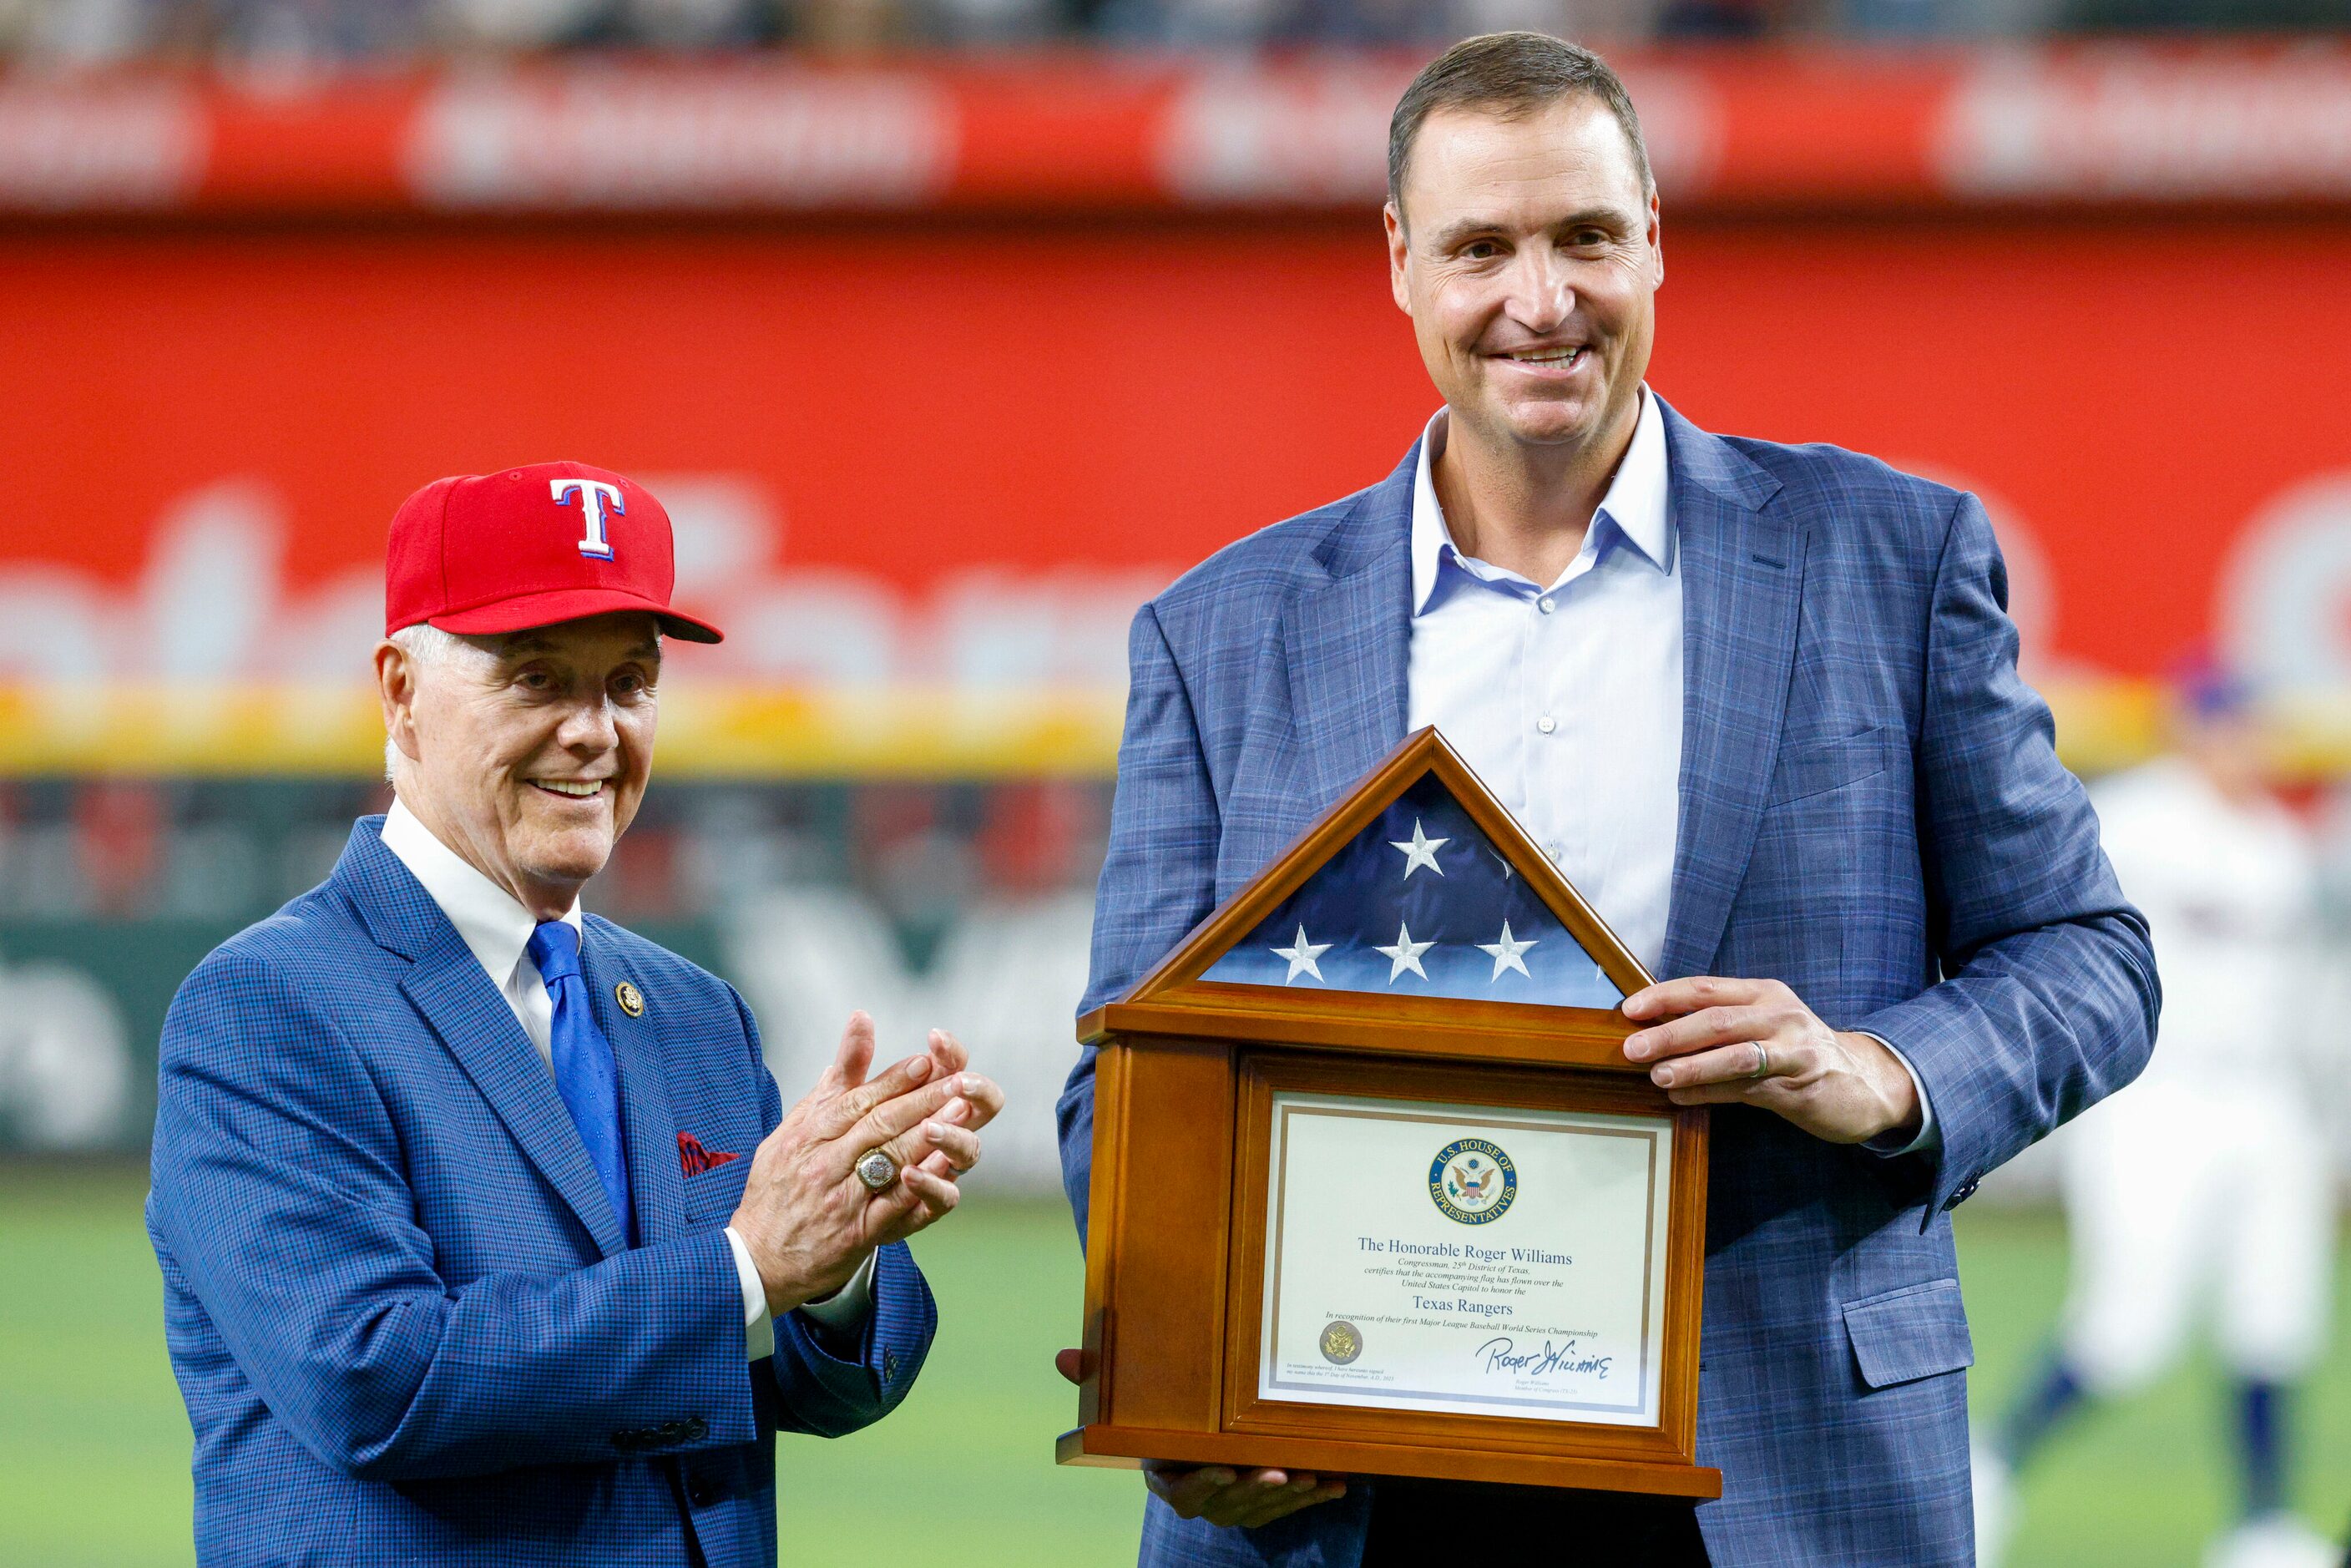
(927, 462)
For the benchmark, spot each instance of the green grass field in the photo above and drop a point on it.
(94, 1445)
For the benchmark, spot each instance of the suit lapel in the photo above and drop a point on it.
(1742, 576)
(475, 1023)
(656, 1175)
(1346, 640)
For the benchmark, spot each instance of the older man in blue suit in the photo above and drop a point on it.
(1760, 703)
(486, 1237)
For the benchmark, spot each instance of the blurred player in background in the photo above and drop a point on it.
(2209, 1180)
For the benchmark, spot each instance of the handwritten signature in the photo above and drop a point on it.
(1503, 1355)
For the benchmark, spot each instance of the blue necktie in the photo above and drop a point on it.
(585, 1074)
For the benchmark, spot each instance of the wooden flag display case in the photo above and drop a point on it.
(1375, 1190)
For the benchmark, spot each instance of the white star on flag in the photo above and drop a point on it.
(1504, 953)
(1302, 956)
(1420, 851)
(1405, 954)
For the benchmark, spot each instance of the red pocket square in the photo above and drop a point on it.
(695, 1158)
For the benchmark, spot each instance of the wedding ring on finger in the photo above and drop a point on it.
(877, 1170)
(1762, 1060)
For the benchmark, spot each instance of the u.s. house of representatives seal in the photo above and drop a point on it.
(1341, 1341)
(1473, 1181)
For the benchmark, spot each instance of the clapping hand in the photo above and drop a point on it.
(806, 1217)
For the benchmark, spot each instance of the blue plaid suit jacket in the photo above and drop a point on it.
(1871, 809)
(397, 1299)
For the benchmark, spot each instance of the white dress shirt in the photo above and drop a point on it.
(497, 930)
(1566, 698)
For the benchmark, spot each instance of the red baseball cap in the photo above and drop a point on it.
(530, 547)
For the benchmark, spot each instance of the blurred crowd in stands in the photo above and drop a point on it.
(326, 32)
(924, 904)
(229, 851)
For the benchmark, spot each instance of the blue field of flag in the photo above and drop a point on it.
(1420, 903)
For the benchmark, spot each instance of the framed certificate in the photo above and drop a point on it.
(1473, 1260)
(1374, 1189)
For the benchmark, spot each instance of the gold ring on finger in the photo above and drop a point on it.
(877, 1170)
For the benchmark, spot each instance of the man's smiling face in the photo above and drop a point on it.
(528, 752)
(1526, 252)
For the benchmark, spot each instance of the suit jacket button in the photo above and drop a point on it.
(889, 1367)
(697, 1428)
(624, 1441)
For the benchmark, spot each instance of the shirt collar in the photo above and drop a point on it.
(1639, 502)
(494, 927)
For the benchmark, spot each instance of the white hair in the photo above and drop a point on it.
(426, 646)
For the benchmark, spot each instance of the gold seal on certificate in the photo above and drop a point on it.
(1375, 1191)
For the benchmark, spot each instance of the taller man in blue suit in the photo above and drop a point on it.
(486, 1237)
(1760, 703)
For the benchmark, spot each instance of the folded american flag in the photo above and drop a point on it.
(1420, 903)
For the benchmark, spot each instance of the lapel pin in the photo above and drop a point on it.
(632, 1001)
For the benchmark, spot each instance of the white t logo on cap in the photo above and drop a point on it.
(594, 495)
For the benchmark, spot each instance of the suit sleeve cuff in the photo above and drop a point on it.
(1929, 1137)
(758, 1328)
(840, 1314)
(844, 1311)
